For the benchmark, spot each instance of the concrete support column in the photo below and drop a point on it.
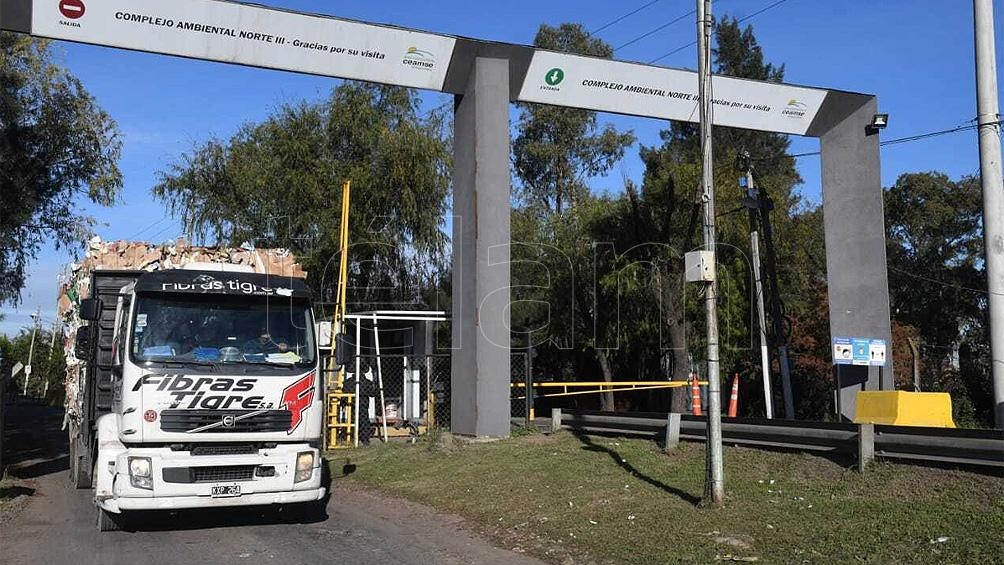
(479, 402)
(854, 219)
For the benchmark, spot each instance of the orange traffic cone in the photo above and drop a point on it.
(734, 398)
(695, 395)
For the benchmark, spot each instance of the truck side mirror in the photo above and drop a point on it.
(90, 309)
(82, 342)
(343, 349)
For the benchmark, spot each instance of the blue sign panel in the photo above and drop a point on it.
(876, 352)
(843, 352)
(860, 351)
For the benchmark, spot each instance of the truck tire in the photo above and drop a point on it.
(80, 465)
(108, 522)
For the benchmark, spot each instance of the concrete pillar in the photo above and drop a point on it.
(854, 221)
(481, 238)
(555, 419)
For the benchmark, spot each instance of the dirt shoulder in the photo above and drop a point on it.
(34, 446)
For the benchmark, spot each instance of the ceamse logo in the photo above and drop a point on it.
(419, 59)
(72, 9)
(794, 109)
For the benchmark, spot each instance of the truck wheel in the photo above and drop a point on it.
(108, 522)
(80, 465)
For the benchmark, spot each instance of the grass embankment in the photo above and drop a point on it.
(623, 500)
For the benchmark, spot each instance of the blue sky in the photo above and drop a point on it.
(916, 55)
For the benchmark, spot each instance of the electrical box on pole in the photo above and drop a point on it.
(699, 266)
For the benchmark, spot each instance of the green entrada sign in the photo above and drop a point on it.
(554, 77)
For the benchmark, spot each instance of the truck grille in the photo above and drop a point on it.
(183, 421)
(225, 449)
(221, 473)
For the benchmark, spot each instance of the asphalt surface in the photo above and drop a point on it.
(57, 524)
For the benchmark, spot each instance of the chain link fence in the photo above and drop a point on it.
(519, 400)
(407, 395)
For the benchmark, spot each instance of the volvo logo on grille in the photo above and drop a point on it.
(229, 420)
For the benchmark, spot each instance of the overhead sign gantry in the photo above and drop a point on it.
(486, 77)
(258, 36)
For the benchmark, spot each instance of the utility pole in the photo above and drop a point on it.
(52, 339)
(714, 490)
(31, 349)
(776, 312)
(52, 347)
(987, 118)
(768, 395)
(915, 350)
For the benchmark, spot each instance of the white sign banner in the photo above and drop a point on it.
(671, 94)
(250, 35)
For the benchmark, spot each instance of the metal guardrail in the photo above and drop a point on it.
(983, 448)
(950, 445)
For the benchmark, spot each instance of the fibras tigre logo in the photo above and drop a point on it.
(72, 10)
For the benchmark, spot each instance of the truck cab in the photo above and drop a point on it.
(215, 395)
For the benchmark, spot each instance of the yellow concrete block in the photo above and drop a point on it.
(901, 408)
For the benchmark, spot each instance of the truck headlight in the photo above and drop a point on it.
(304, 466)
(141, 472)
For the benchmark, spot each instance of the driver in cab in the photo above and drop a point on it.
(265, 348)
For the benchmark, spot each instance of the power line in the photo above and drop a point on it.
(154, 236)
(655, 30)
(909, 138)
(623, 17)
(942, 283)
(149, 226)
(739, 21)
(760, 11)
(931, 134)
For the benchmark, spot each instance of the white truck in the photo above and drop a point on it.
(203, 389)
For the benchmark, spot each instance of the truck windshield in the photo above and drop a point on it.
(222, 329)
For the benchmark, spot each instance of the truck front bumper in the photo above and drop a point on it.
(182, 502)
(181, 480)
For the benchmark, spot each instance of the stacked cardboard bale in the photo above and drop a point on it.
(134, 255)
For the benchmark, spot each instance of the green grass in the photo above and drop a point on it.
(623, 500)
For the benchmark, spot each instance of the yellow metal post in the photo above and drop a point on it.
(341, 403)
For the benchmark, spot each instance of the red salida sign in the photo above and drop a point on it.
(72, 9)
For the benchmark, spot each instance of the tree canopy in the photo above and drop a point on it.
(615, 261)
(278, 184)
(936, 285)
(57, 147)
(555, 150)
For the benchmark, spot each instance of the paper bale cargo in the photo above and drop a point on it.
(141, 256)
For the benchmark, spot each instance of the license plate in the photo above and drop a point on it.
(223, 491)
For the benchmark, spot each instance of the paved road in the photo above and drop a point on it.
(58, 525)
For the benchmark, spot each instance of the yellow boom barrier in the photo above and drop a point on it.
(597, 387)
